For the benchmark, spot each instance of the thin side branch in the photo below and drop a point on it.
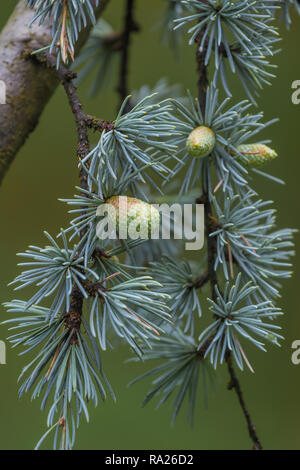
(235, 385)
(130, 26)
(201, 280)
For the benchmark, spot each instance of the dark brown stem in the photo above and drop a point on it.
(73, 316)
(130, 26)
(234, 384)
(211, 241)
(211, 247)
(202, 73)
(201, 280)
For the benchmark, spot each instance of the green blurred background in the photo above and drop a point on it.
(45, 170)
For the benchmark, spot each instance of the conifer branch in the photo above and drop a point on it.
(130, 26)
(211, 240)
(215, 140)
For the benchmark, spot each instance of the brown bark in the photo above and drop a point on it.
(29, 85)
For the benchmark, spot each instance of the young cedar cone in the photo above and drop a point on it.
(255, 154)
(134, 216)
(200, 142)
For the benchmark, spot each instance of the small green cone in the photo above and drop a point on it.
(131, 210)
(255, 155)
(201, 142)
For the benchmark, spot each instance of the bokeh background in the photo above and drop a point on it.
(45, 170)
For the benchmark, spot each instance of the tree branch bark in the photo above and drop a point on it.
(29, 85)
